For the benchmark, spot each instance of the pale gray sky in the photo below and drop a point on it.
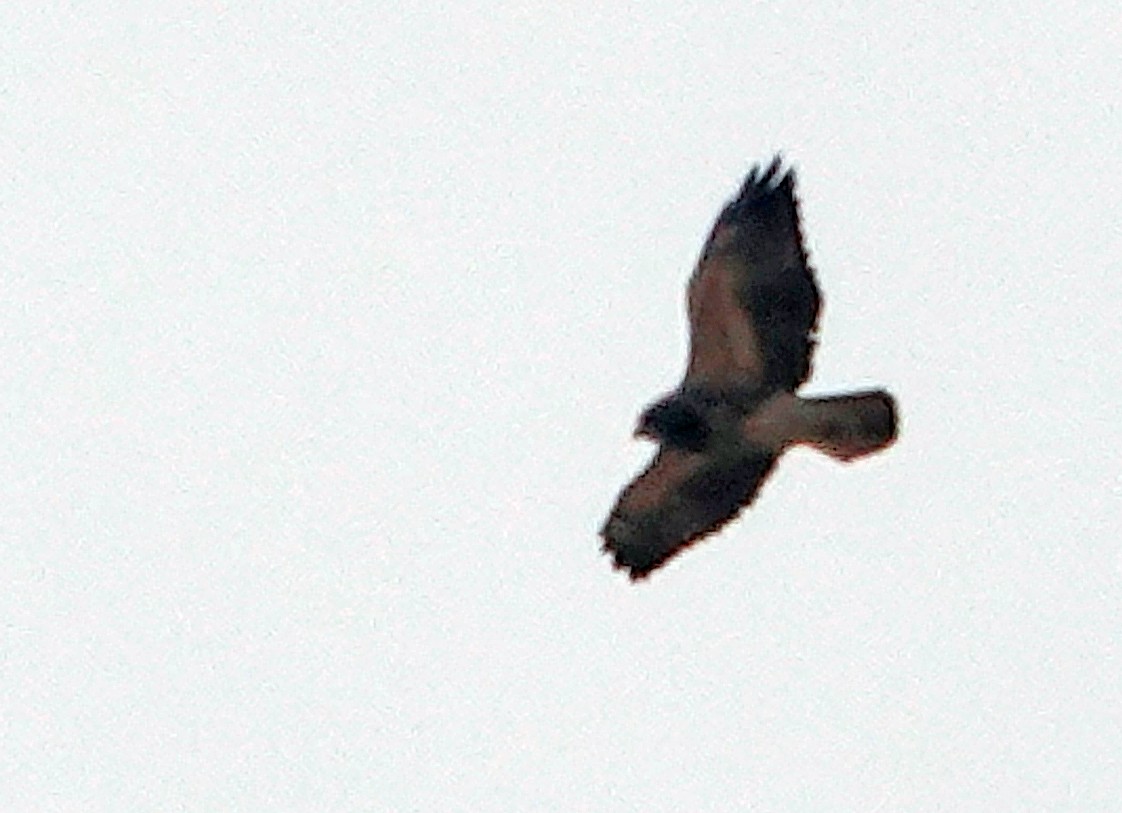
(323, 330)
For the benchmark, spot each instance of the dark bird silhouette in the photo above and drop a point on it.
(753, 310)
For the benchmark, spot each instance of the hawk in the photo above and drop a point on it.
(753, 308)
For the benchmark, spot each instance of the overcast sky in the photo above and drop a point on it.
(323, 330)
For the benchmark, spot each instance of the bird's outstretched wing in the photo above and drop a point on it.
(680, 498)
(753, 301)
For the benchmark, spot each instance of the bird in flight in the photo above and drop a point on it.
(753, 308)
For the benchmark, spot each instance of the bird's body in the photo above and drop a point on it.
(753, 310)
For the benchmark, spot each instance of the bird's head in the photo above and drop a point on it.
(675, 422)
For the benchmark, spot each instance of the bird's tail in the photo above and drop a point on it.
(847, 427)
